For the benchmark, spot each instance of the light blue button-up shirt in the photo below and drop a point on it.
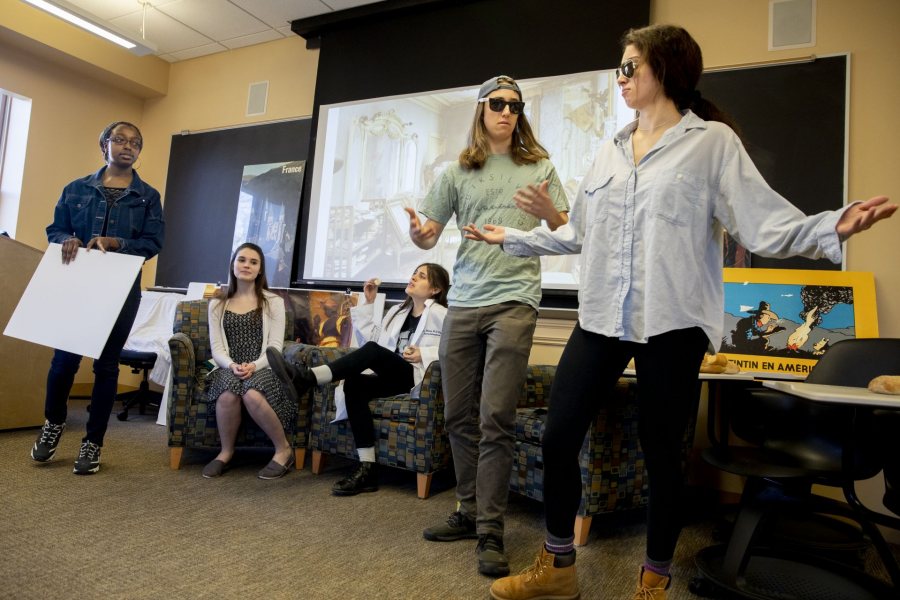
(650, 235)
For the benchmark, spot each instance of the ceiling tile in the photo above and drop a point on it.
(167, 34)
(110, 9)
(198, 51)
(216, 19)
(278, 12)
(181, 29)
(286, 31)
(248, 40)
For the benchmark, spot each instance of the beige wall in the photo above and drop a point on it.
(211, 92)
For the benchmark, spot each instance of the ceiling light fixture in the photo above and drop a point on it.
(70, 16)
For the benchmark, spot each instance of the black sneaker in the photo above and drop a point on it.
(363, 479)
(492, 559)
(45, 446)
(457, 527)
(296, 380)
(88, 460)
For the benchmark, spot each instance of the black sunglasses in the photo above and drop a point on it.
(626, 69)
(498, 104)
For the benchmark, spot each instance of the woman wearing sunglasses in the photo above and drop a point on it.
(648, 221)
(493, 307)
(112, 210)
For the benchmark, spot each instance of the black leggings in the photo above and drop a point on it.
(393, 375)
(587, 373)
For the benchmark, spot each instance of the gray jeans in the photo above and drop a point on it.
(484, 355)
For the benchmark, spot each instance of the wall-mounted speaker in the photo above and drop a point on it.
(792, 24)
(257, 98)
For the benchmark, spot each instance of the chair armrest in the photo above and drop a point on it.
(184, 369)
(183, 356)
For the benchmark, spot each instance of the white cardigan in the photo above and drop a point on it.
(273, 330)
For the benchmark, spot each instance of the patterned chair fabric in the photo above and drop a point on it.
(611, 459)
(409, 432)
(190, 423)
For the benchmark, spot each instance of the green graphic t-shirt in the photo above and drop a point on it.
(483, 274)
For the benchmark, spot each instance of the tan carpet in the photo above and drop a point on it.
(140, 530)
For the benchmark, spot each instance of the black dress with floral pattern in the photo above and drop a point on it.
(244, 333)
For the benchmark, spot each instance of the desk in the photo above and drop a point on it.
(836, 394)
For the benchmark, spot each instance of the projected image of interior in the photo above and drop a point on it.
(375, 157)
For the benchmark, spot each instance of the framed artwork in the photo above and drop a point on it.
(320, 318)
(783, 320)
(267, 213)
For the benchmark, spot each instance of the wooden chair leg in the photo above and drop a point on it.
(318, 461)
(423, 484)
(175, 455)
(299, 458)
(582, 529)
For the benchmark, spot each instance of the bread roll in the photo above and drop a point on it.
(885, 384)
(716, 363)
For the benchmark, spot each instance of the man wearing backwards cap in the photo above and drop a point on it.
(504, 176)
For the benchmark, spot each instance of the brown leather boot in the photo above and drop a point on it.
(540, 581)
(652, 586)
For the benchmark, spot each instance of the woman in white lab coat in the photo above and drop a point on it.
(391, 360)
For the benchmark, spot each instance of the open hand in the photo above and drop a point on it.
(492, 234)
(536, 200)
(860, 217)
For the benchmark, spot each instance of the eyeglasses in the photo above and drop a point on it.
(498, 104)
(626, 69)
(135, 143)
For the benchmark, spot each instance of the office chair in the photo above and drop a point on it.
(795, 443)
(138, 361)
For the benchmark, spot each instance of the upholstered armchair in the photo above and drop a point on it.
(409, 432)
(190, 423)
(611, 459)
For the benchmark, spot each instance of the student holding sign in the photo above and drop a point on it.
(112, 210)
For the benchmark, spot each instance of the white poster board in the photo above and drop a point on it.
(73, 307)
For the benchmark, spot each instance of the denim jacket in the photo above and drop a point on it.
(135, 220)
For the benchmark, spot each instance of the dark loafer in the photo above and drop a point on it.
(273, 470)
(215, 469)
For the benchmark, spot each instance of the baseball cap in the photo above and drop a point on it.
(500, 82)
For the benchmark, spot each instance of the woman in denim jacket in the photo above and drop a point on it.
(112, 210)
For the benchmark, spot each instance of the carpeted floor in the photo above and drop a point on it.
(140, 530)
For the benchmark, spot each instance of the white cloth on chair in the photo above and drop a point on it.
(150, 333)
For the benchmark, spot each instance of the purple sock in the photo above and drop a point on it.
(661, 568)
(559, 548)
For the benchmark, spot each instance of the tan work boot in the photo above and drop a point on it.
(652, 586)
(540, 581)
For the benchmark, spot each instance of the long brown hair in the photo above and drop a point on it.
(525, 148)
(259, 284)
(437, 278)
(677, 63)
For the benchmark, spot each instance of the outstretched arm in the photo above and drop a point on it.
(860, 217)
(536, 200)
(424, 236)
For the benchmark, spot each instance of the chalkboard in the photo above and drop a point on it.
(202, 194)
(793, 120)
